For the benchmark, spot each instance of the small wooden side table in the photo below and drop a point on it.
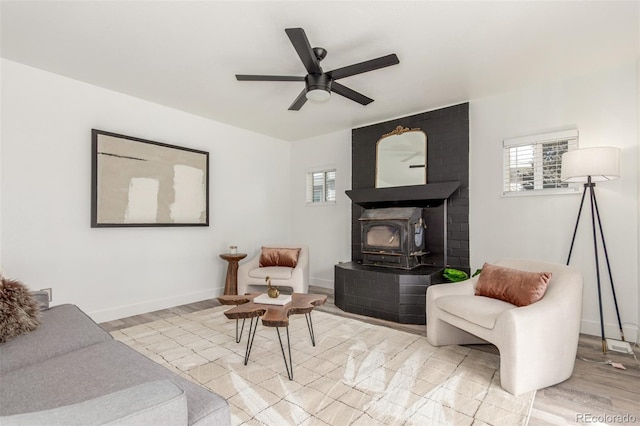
(231, 283)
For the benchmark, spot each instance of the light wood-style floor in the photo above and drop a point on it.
(597, 392)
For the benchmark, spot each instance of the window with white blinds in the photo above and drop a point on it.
(321, 187)
(533, 164)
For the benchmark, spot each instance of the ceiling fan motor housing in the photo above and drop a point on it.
(318, 82)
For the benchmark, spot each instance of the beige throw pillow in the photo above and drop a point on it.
(517, 287)
(272, 256)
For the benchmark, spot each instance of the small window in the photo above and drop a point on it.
(533, 164)
(321, 187)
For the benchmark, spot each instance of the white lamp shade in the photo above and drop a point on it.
(601, 163)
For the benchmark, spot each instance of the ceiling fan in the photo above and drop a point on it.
(320, 84)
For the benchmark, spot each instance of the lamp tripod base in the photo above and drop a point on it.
(595, 215)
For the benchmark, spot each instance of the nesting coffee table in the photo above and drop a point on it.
(272, 316)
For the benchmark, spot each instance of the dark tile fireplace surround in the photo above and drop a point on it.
(396, 294)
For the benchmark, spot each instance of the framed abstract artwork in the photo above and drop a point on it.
(137, 182)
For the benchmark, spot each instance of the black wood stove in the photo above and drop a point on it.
(393, 237)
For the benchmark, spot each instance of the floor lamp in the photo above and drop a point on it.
(591, 165)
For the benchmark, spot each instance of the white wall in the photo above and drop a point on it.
(0, 172)
(115, 272)
(638, 206)
(325, 228)
(603, 107)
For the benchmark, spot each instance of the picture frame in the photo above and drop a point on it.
(142, 183)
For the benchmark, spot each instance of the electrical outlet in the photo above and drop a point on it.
(49, 293)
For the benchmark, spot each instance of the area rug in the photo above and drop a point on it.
(357, 374)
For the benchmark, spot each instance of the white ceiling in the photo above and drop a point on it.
(184, 54)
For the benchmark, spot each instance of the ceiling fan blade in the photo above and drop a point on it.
(245, 77)
(350, 93)
(366, 66)
(301, 44)
(300, 100)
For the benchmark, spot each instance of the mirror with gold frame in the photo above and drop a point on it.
(401, 158)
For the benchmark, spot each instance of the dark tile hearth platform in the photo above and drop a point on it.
(386, 293)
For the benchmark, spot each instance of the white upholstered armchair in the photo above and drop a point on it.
(251, 276)
(537, 343)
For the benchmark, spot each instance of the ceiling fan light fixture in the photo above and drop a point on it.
(318, 95)
(318, 87)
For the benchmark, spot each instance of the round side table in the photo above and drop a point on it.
(231, 284)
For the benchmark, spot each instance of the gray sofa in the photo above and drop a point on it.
(70, 371)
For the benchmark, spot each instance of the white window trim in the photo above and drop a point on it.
(537, 141)
(308, 173)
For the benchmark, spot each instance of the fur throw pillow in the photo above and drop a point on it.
(19, 312)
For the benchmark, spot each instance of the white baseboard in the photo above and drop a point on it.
(153, 305)
(611, 331)
(319, 282)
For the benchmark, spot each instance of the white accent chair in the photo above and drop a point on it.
(537, 343)
(251, 277)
